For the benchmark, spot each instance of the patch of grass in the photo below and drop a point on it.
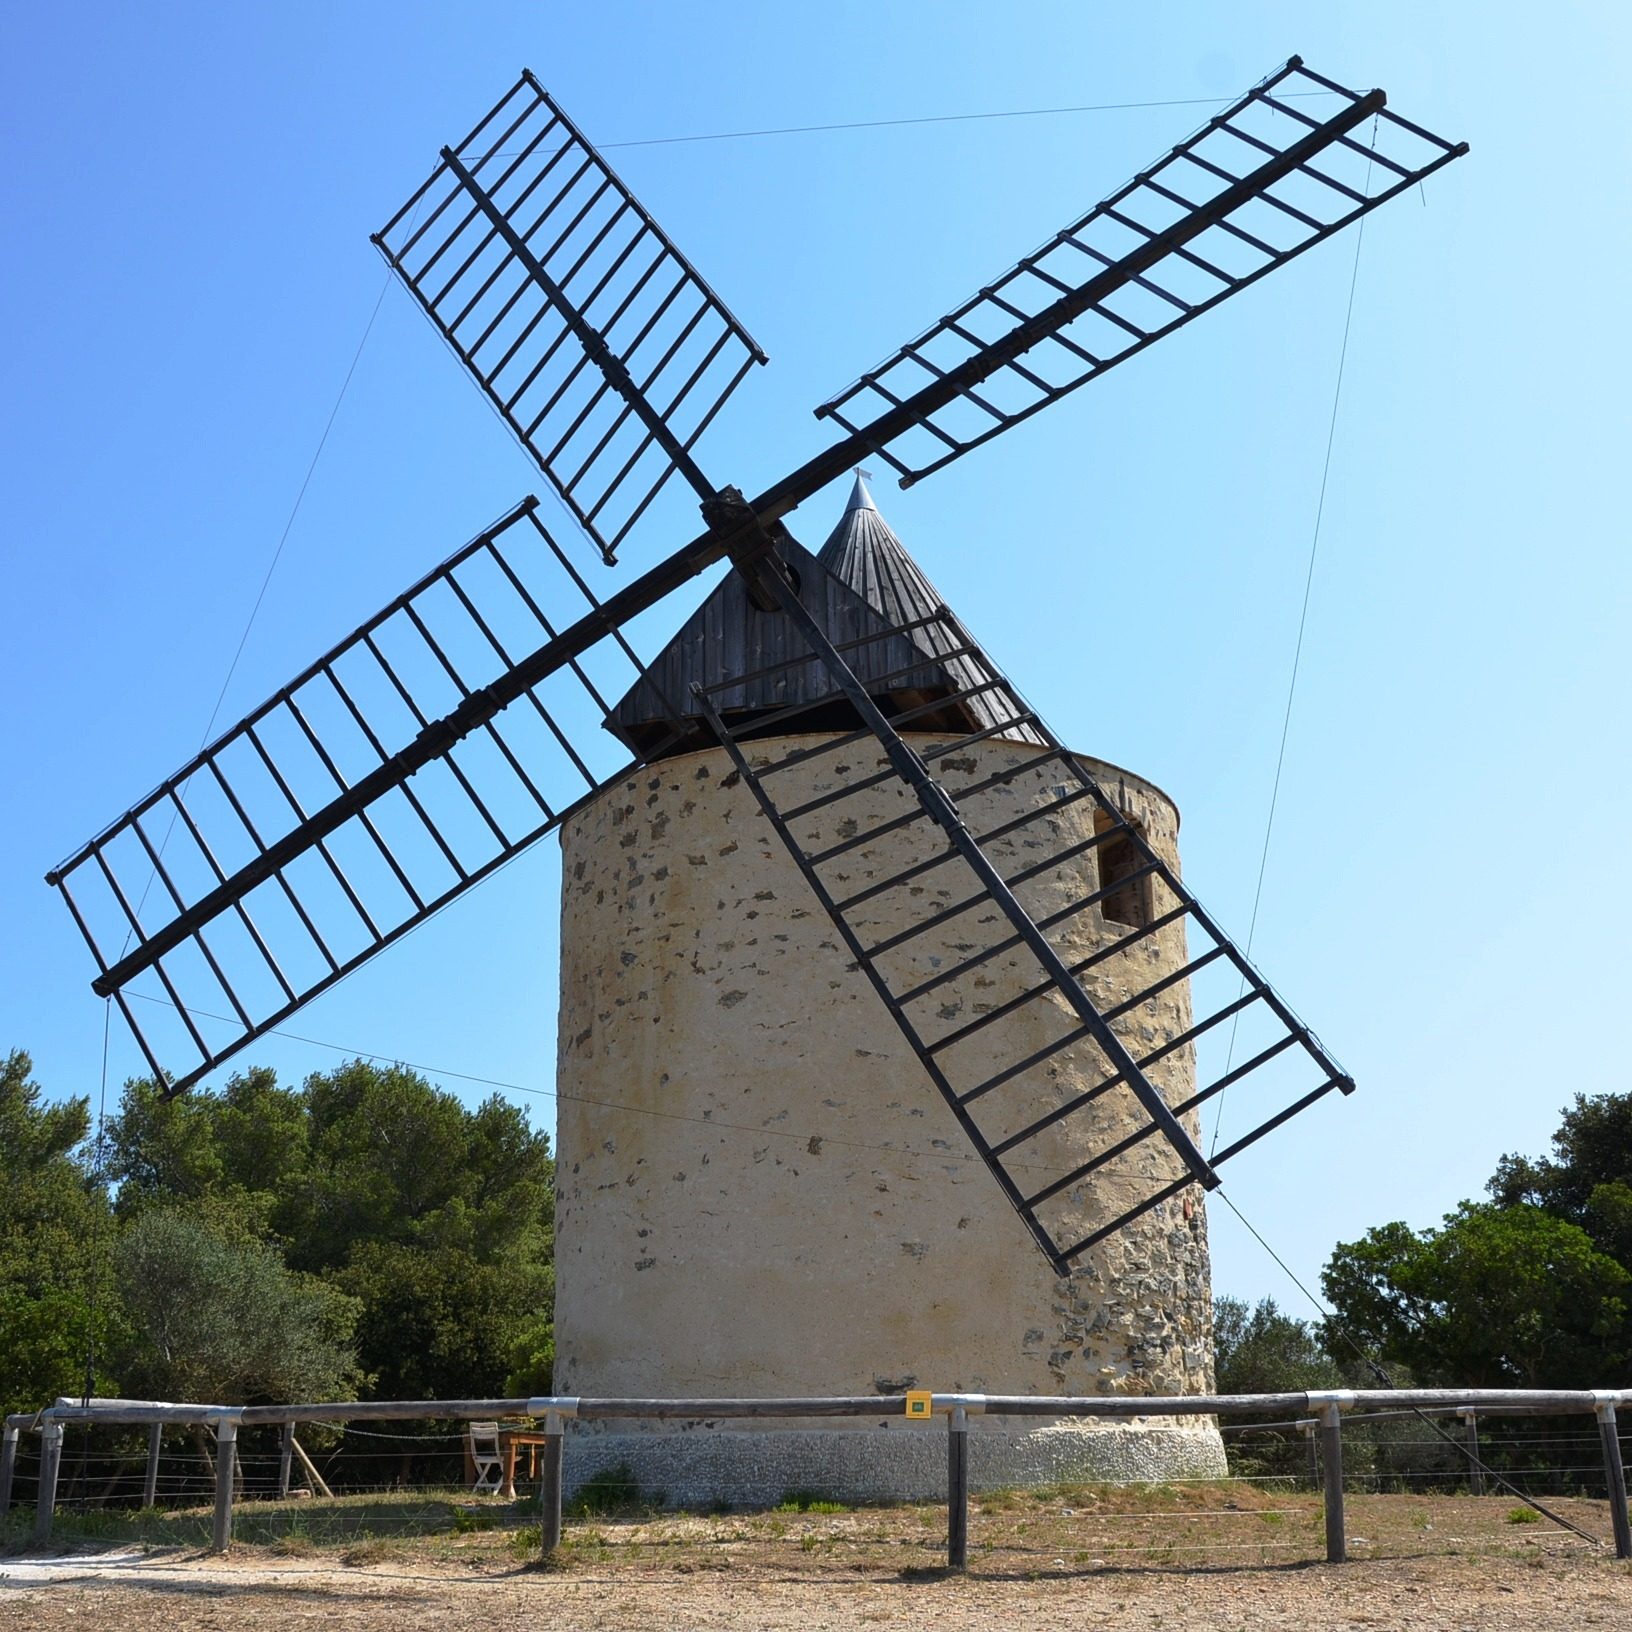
(612, 1490)
(1105, 1527)
(524, 1545)
(144, 1527)
(809, 1501)
(1523, 1515)
(577, 1547)
(370, 1550)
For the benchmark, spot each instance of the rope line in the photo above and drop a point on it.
(804, 1137)
(100, 1170)
(266, 582)
(939, 119)
(294, 511)
(1377, 1370)
(1303, 623)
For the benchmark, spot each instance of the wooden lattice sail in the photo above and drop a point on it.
(465, 720)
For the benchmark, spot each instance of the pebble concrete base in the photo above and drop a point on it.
(699, 1466)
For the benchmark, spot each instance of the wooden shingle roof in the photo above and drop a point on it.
(862, 583)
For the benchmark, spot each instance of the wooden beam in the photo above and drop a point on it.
(150, 1479)
(957, 1488)
(310, 1467)
(226, 1464)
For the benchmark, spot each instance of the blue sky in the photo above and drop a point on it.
(193, 186)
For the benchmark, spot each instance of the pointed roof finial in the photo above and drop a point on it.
(860, 498)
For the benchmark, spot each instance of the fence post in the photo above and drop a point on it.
(226, 1460)
(1476, 1471)
(8, 1465)
(286, 1457)
(45, 1504)
(150, 1479)
(549, 1486)
(1314, 1455)
(957, 1488)
(1614, 1475)
(1331, 1455)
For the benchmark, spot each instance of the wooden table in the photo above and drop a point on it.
(511, 1441)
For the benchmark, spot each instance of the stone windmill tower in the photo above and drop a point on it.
(867, 975)
(759, 1191)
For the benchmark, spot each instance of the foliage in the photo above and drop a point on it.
(1262, 1351)
(1497, 1297)
(1588, 1179)
(1532, 1289)
(364, 1230)
(437, 1323)
(612, 1490)
(223, 1320)
(1259, 1350)
(531, 1351)
(54, 1297)
(809, 1501)
(435, 1218)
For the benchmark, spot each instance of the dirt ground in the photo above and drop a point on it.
(1450, 1593)
(1203, 1559)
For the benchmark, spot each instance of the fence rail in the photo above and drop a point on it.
(1318, 1413)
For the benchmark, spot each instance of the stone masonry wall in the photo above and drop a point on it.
(759, 1190)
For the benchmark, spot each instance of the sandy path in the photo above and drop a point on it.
(181, 1594)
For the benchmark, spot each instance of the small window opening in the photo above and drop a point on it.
(1119, 858)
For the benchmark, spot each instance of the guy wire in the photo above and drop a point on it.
(1380, 1373)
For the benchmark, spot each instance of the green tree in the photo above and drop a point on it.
(1259, 1350)
(54, 1292)
(231, 1155)
(1588, 1179)
(1497, 1297)
(1262, 1351)
(437, 1218)
(440, 1323)
(225, 1321)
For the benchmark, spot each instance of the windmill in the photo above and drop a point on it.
(463, 721)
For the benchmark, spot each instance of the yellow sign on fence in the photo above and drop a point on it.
(919, 1402)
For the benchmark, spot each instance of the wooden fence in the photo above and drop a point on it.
(1320, 1413)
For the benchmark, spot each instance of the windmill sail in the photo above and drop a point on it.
(465, 720)
(1255, 187)
(428, 748)
(1079, 986)
(597, 341)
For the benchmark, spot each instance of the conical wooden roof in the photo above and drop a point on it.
(862, 583)
(864, 553)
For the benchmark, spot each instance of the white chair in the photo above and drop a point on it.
(487, 1457)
